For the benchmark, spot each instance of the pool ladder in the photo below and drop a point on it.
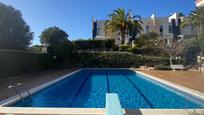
(15, 87)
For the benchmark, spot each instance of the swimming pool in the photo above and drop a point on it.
(88, 88)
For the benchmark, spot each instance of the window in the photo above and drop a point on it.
(170, 29)
(161, 30)
(147, 28)
(98, 31)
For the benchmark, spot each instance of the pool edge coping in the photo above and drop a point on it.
(94, 111)
(34, 90)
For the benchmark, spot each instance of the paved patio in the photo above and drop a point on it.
(31, 80)
(190, 79)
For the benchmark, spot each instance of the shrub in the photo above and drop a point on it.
(98, 45)
(36, 48)
(201, 42)
(125, 47)
(64, 52)
(178, 61)
(19, 62)
(107, 59)
(152, 61)
(116, 59)
(148, 51)
(115, 48)
(149, 39)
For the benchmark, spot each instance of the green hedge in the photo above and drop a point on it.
(148, 51)
(143, 51)
(126, 48)
(19, 62)
(95, 44)
(116, 59)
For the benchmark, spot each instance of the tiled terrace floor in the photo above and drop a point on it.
(190, 79)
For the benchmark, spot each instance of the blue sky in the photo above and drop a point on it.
(75, 16)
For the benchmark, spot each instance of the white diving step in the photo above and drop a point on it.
(113, 106)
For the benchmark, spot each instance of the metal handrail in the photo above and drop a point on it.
(24, 87)
(16, 91)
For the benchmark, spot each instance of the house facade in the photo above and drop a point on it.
(165, 27)
(199, 3)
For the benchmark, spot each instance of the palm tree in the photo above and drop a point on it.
(135, 28)
(120, 22)
(195, 19)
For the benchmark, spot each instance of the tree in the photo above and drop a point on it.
(134, 28)
(201, 43)
(149, 39)
(120, 22)
(181, 14)
(53, 36)
(14, 32)
(58, 44)
(195, 19)
(174, 48)
(36, 48)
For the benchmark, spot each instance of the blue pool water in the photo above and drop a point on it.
(87, 89)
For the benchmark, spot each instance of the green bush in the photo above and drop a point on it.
(62, 50)
(116, 59)
(152, 61)
(36, 48)
(107, 59)
(125, 48)
(115, 48)
(178, 61)
(98, 45)
(64, 53)
(148, 39)
(18, 62)
(148, 51)
(201, 42)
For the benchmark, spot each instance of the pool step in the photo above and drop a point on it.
(113, 106)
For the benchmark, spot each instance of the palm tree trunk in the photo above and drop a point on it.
(122, 37)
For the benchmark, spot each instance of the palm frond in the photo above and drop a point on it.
(195, 19)
(122, 22)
